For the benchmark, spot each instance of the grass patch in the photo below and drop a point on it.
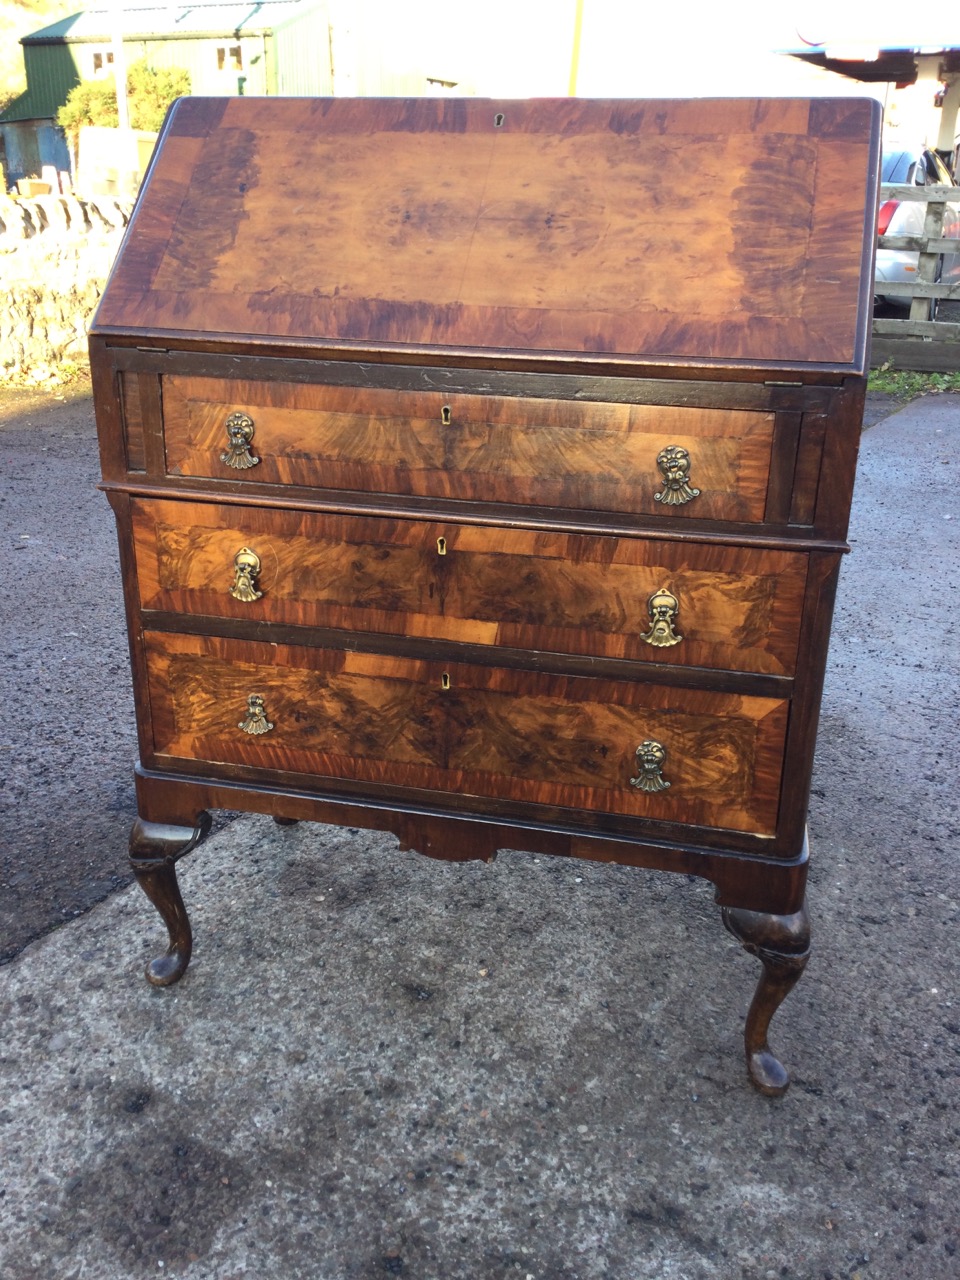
(906, 384)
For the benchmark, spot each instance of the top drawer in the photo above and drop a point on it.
(675, 463)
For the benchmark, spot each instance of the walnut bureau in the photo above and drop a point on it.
(480, 482)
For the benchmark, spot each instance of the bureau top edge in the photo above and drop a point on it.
(768, 390)
(606, 365)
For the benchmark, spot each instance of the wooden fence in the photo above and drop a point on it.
(918, 342)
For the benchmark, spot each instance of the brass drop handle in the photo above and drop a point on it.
(246, 565)
(650, 758)
(239, 429)
(674, 464)
(663, 607)
(255, 721)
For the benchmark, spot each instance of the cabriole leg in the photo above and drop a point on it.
(782, 944)
(154, 850)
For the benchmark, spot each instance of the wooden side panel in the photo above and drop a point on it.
(545, 453)
(560, 593)
(132, 421)
(541, 739)
(807, 477)
(109, 411)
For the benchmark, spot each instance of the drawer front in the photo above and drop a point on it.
(570, 742)
(544, 453)
(637, 599)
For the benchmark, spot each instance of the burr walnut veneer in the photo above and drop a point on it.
(477, 483)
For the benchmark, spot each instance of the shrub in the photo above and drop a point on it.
(150, 90)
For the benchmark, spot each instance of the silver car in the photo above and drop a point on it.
(920, 167)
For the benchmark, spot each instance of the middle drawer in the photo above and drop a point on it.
(638, 599)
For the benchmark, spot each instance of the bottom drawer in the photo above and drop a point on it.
(564, 741)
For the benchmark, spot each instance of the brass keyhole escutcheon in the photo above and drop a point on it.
(239, 429)
(441, 546)
(445, 681)
(650, 758)
(246, 566)
(662, 607)
(255, 721)
(446, 415)
(674, 464)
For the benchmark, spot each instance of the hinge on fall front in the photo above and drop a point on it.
(159, 350)
(771, 383)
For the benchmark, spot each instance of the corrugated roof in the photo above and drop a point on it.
(170, 21)
(28, 106)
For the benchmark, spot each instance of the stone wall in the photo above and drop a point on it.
(55, 255)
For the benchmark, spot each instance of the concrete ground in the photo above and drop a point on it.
(380, 1065)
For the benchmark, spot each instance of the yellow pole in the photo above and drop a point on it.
(575, 59)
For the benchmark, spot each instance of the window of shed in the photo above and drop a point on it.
(101, 62)
(229, 57)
